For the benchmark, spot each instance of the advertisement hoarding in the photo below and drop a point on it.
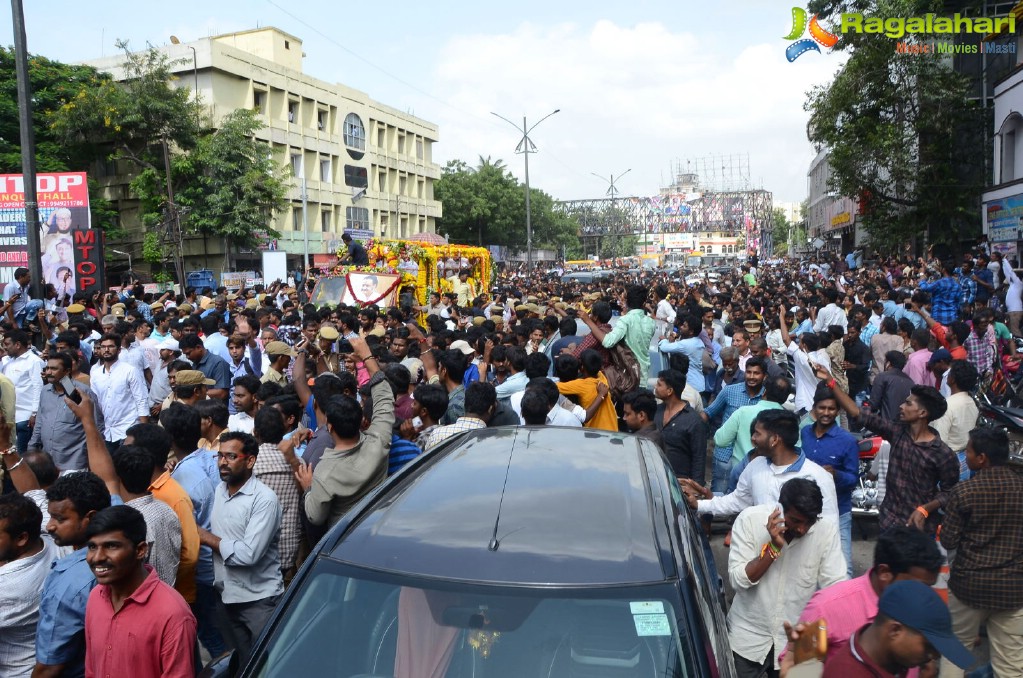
(63, 211)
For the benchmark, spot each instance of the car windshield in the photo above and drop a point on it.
(329, 291)
(351, 622)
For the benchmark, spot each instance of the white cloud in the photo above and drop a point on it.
(638, 96)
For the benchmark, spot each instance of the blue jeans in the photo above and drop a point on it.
(23, 432)
(845, 532)
(722, 470)
(29, 313)
(210, 617)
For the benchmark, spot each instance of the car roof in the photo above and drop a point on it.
(522, 505)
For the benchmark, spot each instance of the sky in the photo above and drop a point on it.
(641, 86)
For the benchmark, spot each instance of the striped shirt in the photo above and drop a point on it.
(163, 534)
(21, 584)
(273, 470)
(442, 433)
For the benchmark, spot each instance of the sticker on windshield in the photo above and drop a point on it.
(646, 606)
(651, 625)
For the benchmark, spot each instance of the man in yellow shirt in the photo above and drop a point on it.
(461, 286)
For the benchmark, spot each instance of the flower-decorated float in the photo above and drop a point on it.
(402, 272)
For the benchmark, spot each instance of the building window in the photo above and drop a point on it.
(382, 181)
(357, 217)
(381, 136)
(259, 101)
(401, 144)
(419, 149)
(296, 164)
(296, 218)
(325, 170)
(421, 188)
(356, 177)
(325, 221)
(321, 120)
(402, 185)
(354, 132)
(292, 111)
(287, 45)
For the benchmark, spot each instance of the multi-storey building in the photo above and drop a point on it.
(357, 164)
(829, 217)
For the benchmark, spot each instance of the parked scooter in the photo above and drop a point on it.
(1011, 420)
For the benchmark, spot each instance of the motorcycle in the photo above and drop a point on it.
(1009, 419)
(867, 496)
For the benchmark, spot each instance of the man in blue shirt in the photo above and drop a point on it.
(731, 398)
(837, 452)
(946, 295)
(357, 255)
(60, 636)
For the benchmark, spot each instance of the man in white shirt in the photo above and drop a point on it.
(961, 416)
(27, 558)
(774, 439)
(806, 352)
(830, 314)
(778, 558)
(25, 369)
(121, 391)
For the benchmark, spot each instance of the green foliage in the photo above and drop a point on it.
(136, 116)
(230, 184)
(903, 135)
(486, 205)
(152, 250)
(54, 85)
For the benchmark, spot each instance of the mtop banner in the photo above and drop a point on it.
(63, 211)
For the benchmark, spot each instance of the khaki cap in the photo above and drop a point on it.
(192, 378)
(185, 307)
(279, 348)
(329, 333)
(76, 308)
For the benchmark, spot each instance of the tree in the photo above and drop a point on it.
(781, 229)
(53, 85)
(143, 119)
(486, 205)
(229, 186)
(904, 137)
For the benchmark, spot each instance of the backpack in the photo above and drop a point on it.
(624, 373)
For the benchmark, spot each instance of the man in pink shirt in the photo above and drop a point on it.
(901, 553)
(916, 363)
(134, 622)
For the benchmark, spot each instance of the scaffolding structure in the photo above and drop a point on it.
(712, 194)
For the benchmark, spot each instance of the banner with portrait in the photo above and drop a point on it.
(366, 289)
(63, 199)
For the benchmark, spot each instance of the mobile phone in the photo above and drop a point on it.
(69, 389)
(909, 306)
(813, 642)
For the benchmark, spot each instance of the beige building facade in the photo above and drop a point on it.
(363, 166)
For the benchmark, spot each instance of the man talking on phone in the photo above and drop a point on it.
(781, 554)
(61, 434)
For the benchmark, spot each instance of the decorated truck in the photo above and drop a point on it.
(401, 273)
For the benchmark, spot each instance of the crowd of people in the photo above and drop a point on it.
(171, 459)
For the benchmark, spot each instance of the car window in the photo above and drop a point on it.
(380, 625)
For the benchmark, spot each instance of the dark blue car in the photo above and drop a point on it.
(515, 552)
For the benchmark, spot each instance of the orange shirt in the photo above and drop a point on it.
(605, 418)
(167, 490)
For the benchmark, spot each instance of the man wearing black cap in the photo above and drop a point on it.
(357, 255)
(912, 627)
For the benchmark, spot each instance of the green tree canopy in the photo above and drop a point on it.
(486, 205)
(53, 84)
(904, 137)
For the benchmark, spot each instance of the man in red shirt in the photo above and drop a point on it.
(912, 627)
(133, 619)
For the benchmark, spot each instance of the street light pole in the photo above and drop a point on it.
(526, 146)
(195, 63)
(612, 190)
